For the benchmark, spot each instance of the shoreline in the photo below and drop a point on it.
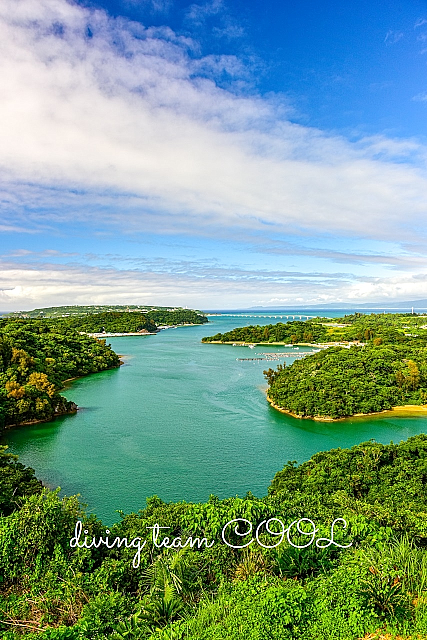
(406, 408)
(67, 383)
(31, 422)
(119, 335)
(73, 410)
(144, 332)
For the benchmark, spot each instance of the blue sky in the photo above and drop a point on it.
(215, 154)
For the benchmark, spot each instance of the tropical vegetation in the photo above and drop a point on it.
(377, 328)
(108, 322)
(176, 317)
(129, 322)
(339, 382)
(374, 582)
(36, 357)
(287, 333)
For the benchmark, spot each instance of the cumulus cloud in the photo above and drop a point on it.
(131, 125)
(410, 287)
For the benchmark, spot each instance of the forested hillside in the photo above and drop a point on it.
(339, 382)
(359, 581)
(109, 322)
(126, 316)
(289, 333)
(128, 322)
(36, 356)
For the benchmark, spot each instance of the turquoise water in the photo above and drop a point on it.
(182, 420)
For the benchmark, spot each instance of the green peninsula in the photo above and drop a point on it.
(116, 318)
(281, 332)
(381, 363)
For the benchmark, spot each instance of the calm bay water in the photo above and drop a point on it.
(182, 420)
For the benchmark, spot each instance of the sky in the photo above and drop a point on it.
(221, 154)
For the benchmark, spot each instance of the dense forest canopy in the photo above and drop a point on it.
(128, 322)
(108, 322)
(288, 333)
(339, 382)
(176, 317)
(370, 581)
(119, 319)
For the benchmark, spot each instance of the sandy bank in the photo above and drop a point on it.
(407, 409)
(144, 332)
(118, 335)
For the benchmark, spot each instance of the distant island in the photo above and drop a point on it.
(170, 315)
(41, 349)
(368, 363)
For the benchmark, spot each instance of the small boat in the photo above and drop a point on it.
(251, 346)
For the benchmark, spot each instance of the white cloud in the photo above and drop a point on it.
(25, 285)
(198, 13)
(393, 36)
(127, 125)
(156, 6)
(420, 97)
(411, 287)
(400, 262)
(47, 284)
